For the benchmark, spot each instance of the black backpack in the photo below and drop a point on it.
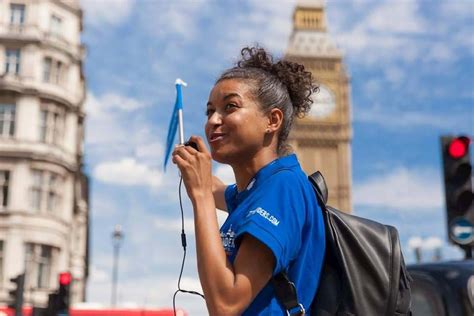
(363, 273)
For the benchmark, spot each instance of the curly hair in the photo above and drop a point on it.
(278, 84)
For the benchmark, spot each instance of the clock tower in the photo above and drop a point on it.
(322, 139)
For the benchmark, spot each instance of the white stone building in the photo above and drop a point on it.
(43, 191)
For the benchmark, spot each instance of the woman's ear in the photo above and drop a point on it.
(275, 120)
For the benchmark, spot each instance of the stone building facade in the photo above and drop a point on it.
(44, 213)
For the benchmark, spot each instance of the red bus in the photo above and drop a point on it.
(28, 311)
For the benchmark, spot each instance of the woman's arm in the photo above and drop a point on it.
(218, 190)
(228, 288)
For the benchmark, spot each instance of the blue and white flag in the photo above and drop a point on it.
(178, 107)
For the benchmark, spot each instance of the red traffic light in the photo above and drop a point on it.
(458, 147)
(65, 278)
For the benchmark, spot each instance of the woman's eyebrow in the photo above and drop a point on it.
(231, 95)
(227, 96)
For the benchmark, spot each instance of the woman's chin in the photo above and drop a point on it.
(219, 156)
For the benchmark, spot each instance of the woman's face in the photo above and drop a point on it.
(235, 126)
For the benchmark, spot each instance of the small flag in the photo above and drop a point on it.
(178, 107)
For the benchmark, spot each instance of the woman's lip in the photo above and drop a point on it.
(216, 137)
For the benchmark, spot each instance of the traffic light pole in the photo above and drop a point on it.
(17, 294)
(117, 238)
(115, 276)
(468, 252)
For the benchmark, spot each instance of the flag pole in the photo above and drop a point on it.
(181, 127)
(180, 83)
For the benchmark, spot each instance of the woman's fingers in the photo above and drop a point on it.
(190, 154)
(200, 143)
(181, 152)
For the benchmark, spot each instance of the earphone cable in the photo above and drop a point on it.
(184, 244)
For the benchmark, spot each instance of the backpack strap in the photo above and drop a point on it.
(285, 290)
(320, 187)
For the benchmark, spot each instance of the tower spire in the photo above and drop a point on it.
(310, 15)
(310, 37)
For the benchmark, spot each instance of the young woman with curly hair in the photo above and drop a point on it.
(274, 221)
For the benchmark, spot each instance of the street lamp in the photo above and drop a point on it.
(117, 237)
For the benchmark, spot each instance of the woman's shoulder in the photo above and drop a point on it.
(289, 180)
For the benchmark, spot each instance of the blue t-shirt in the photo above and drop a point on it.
(280, 209)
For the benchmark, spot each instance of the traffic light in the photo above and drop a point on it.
(58, 302)
(63, 292)
(16, 294)
(458, 189)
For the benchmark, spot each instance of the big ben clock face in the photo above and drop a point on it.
(324, 103)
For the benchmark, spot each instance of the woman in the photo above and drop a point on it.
(274, 222)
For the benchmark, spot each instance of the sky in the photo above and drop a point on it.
(411, 65)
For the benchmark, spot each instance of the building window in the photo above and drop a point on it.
(52, 70)
(12, 61)
(47, 62)
(36, 189)
(45, 191)
(56, 25)
(7, 120)
(17, 14)
(58, 73)
(51, 125)
(39, 260)
(4, 182)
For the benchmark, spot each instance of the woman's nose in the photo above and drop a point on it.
(215, 119)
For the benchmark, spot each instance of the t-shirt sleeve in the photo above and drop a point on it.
(275, 217)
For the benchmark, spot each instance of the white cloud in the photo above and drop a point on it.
(192, 284)
(174, 224)
(127, 171)
(373, 86)
(115, 126)
(415, 242)
(396, 17)
(186, 24)
(111, 101)
(273, 19)
(402, 189)
(429, 243)
(432, 243)
(156, 292)
(396, 118)
(176, 18)
(151, 153)
(109, 12)
(225, 173)
(439, 52)
(456, 9)
(116, 101)
(105, 130)
(398, 31)
(394, 74)
(98, 275)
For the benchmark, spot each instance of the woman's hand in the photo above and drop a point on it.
(195, 167)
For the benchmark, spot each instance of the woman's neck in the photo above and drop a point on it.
(244, 172)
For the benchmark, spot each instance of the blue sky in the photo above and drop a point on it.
(412, 76)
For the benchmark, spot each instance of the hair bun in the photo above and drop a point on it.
(298, 81)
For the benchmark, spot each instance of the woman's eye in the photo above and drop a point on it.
(230, 106)
(209, 112)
